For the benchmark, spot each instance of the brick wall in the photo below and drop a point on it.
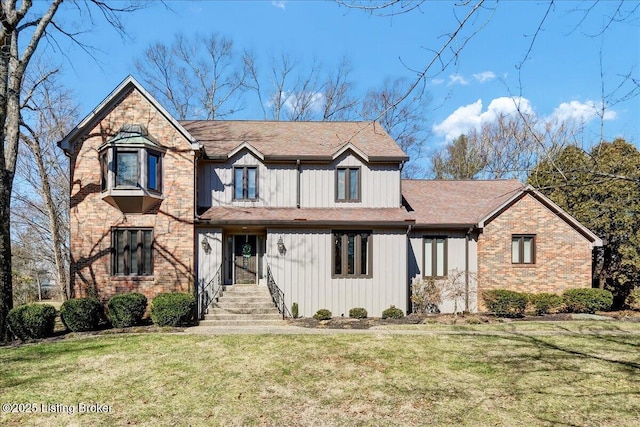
(92, 218)
(562, 257)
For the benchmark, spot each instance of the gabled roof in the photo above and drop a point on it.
(474, 203)
(321, 141)
(462, 203)
(107, 104)
(595, 240)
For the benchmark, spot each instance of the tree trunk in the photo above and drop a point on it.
(54, 220)
(6, 289)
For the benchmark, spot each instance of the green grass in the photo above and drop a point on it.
(503, 377)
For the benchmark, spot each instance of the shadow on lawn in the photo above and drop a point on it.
(538, 365)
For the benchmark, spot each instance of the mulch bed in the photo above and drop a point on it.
(444, 319)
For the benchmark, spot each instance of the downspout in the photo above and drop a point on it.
(466, 269)
(298, 183)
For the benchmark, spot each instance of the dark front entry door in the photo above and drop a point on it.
(245, 258)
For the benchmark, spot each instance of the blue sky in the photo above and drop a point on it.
(561, 78)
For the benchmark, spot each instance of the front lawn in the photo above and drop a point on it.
(488, 375)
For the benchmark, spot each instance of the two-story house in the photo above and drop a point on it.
(317, 208)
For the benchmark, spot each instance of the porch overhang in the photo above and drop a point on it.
(307, 217)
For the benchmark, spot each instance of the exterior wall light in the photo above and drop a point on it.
(281, 248)
(206, 247)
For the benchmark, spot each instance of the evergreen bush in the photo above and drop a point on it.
(587, 300)
(82, 314)
(32, 321)
(322, 314)
(173, 309)
(505, 303)
(543, 302)
(633, 299)
(358, 313)
(126, 309)
(392, 313)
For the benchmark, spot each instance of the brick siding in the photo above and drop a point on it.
(562, 255)
(92, 218)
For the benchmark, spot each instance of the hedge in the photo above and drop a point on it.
(173, 309)
(505, 303)
(82, 314)
(587, 300)
(392, 313)
(358, 313)
(126, 309)
(544, 302)
(32, 321)
(322, 314)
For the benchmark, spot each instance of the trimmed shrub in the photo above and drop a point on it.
(633, 299)
(322, 314)
(505, 303)
(32, 321)
(82, 314)
(173, 309)
(126, 309)
(294, 310)
(392, 313)
(358, 313)
(543, 302)
(588, 300)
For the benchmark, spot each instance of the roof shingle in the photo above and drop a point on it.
(312, 139)
(448, 202)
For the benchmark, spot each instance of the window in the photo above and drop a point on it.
(127, 169)
(523, 249)
(348, 184)
(352, 254)
(132, 251)
(154, 175)
(245, 183)
(104, 171)
(435, 257)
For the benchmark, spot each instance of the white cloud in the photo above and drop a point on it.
(279, 4)
(579, 112)
(471, 117)
(437, 81)
(457, 79)
(295, 101)
(485, 76)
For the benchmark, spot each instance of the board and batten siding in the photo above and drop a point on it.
(455, 261)
(277, 184)
(304, 272)
(208, 263)
(380, 185)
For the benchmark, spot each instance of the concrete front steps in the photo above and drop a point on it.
(243, 305)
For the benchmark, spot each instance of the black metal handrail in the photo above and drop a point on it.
(209, 292)
(277, 295)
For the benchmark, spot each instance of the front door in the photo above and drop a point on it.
(245, 258)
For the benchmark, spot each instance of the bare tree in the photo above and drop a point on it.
(340, 104)
(404, 118)
(23, 28)
(201, 77)
(295, 93)
(41, 207)
(458, 160)
(508, 147)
